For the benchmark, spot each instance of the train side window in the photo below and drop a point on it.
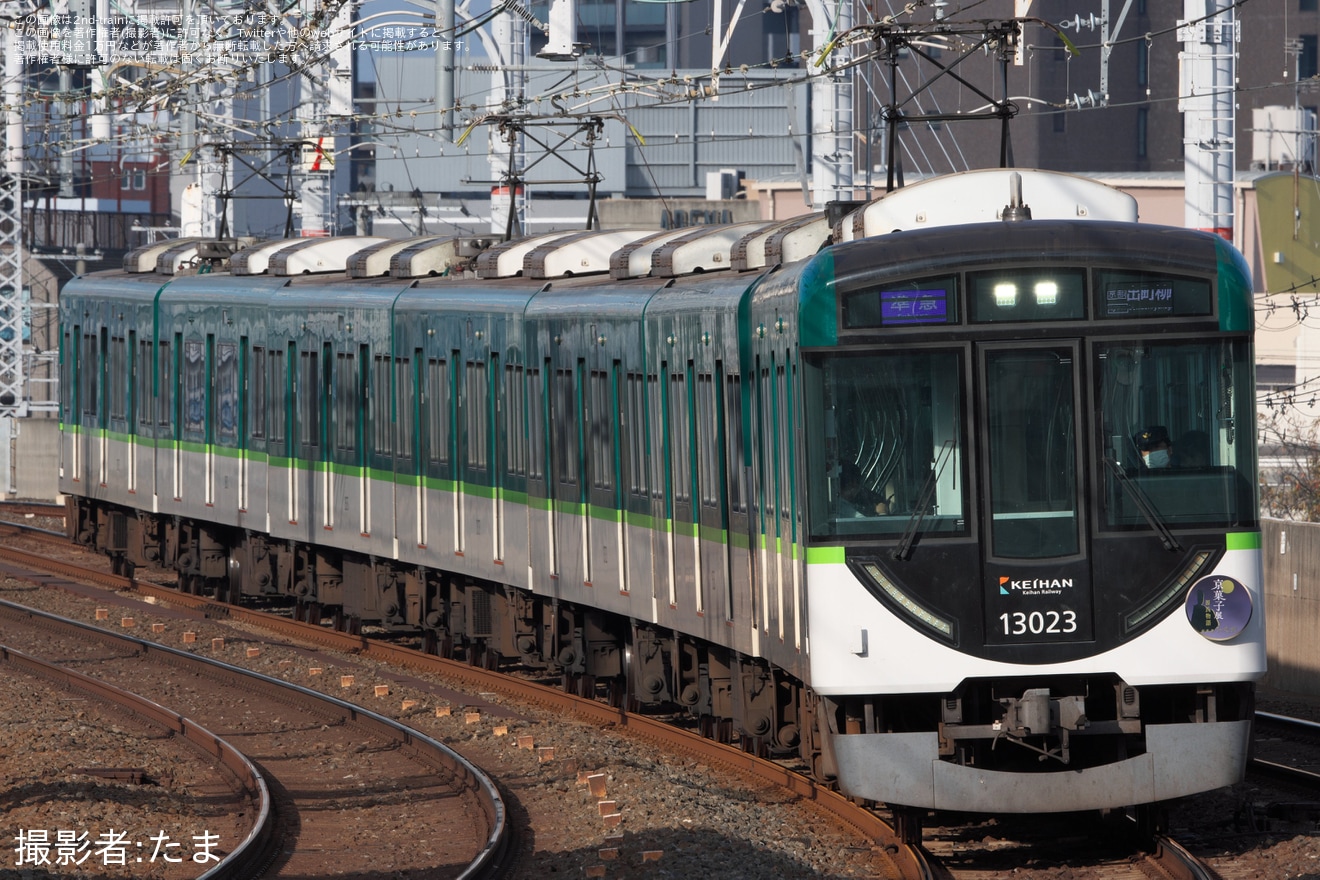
(309, 394)
(88, 371)
(656, 452)
(537, 430)
(437, 382)
(566, 418)
(142, 384)
(68, 392)
(403, 408)
(680, 438)
(378, 405)
(118, 379)
(515, 410)
(226, 391)
(478, 413)
(276, 402)
(736, 438)
(194, 387)
(346, 401)
(164, 385)
(710, 432)
(257, 391)
(633, 434)
(601, 439)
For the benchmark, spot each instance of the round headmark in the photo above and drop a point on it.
(1218, 607)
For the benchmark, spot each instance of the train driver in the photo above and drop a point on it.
(1155, 448)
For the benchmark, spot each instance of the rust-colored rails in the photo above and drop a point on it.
(304, 738)
(907, 862)
(246, 858)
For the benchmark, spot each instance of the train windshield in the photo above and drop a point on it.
(893, 431)
(1176, 423)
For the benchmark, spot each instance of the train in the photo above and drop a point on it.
(948, 497)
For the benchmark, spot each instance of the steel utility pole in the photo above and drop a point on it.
(831, 107)
(12, 404)
(1208, 74)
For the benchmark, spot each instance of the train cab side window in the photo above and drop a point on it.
(885, 431)
(1195, 397)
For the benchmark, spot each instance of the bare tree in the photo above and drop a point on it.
(1289, 466)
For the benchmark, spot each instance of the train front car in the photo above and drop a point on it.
(1034, 552)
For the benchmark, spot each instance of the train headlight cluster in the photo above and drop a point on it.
(1047, 293)
(1006, 294)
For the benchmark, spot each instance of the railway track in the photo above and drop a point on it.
(304, 739)
(248, 794)
(1168, 859)
(899, 861)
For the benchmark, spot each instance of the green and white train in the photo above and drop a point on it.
(871, 489)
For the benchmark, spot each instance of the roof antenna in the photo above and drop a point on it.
(1015, 210)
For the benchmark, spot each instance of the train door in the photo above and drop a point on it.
(513, 444)
(540, 466)
(685, 494)
(305, 435)
(602, 473)
(1033, 553)
(178, 398)
(102, 411)
(117, 400)
(241, 425)
(569, 501)
(496, 424)
(440, 441)
(417, 404)
(712, 489)
(739, 599)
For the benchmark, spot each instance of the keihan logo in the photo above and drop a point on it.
(1033, 586)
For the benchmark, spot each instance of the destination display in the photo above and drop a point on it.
(914, 307)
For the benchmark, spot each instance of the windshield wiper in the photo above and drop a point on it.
(1143, 505)
(904, 548)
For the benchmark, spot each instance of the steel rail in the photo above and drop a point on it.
(246, 858)
(908, 859)
(489, 861)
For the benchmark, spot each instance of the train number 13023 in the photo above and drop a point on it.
(1020, 623)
